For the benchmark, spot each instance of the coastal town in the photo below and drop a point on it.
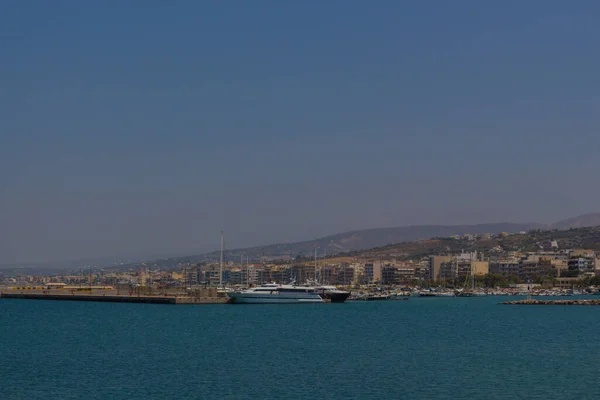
(550, 270)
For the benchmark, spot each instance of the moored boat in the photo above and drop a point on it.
(378, 297)
(431, 293)
(470, 293)
(276, 294)
(332, 293)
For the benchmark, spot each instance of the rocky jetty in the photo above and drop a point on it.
(572, 302)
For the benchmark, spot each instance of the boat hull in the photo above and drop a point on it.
(245, 298)
(377, 298)
(470, 294)
(434, 294)
(336, 297)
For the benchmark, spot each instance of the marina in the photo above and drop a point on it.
(276, 294)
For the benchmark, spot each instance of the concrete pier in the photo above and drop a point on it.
(114, 297)
(572, 302)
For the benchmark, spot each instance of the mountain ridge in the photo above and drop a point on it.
(363, 239)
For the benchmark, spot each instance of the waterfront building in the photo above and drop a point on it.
(280, 274)
(480, 267)
(345, 275)
(373, 272)
(583, 265)
(327, 273)
(235, 276)
(303, 273)
(435, 265)
(359, 273)
(462, 266)
(535, 267)
(506, 267)
(405, 273)
(389, 274)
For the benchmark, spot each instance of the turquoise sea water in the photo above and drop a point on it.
(424, 348)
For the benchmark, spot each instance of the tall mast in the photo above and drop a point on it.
(315, 263)
(221, 263)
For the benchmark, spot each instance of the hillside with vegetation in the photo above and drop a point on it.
(415, 239)
(409, 242)
(532, 241)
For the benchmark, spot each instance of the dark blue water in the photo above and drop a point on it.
(432, 348)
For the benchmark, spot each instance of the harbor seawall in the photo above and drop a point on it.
(114, 298)
(572, 302)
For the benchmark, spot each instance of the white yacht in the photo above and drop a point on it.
(275, 294)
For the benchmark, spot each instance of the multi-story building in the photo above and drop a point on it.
(211, 276)
(373, 272)
(583, 265)
(235, 276)
(281, 274)
(389, 274)
(461, 267)
(534, 267)
(506, 267)
(405, 273)
(327, 273)
(303, 273)
(344, 275)
(529, 267)
(422, 268)
(480, 267)
(435, 267)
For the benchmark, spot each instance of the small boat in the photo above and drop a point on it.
(378, 297)
(399, 296)
(431, 293)
(471, 293)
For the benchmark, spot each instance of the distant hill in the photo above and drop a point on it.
(69, 266)
(369, 238)
(378, 237)
(534, 240)
(340, 243)
(358, 240)
(586, 220)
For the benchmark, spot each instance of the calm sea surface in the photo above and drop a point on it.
(424, 348)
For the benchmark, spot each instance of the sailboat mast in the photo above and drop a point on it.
(221, 263)
(315, 263)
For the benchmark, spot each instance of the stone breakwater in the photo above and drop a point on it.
(574, 302)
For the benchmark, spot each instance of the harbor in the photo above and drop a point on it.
(275, 294)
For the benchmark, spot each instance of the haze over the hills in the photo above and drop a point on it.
(328, 245)
(136, 129)
(370, 238)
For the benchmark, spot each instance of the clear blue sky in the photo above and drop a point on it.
(141, 128)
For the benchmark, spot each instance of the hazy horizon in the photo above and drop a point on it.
(131, 129)
(131, 258)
